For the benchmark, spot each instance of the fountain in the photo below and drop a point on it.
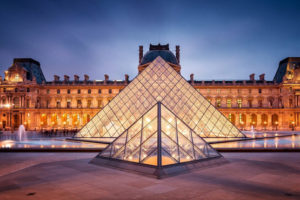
(22, 133)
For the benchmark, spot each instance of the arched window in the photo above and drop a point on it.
(274, 120)
(264, 119)
(253, 120)
(231, 118)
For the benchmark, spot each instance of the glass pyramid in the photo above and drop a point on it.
(159, 82)
(159, 139)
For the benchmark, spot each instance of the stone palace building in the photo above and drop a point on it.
(27, 98)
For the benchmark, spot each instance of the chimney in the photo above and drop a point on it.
(192, 79)
(126, 78)
(76, 78)
(178, 53)
(106, 77)
(86, 77)
(262, 77)
(56, 78)
(252, 77)
(66, 78)
(140, 54)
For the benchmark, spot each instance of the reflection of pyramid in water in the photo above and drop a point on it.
(157, 143)
(159, 82)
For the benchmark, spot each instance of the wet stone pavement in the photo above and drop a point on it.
(70, 176)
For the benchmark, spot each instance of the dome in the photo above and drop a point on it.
(167, 55)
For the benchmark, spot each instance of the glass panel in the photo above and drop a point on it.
(170, 147)
(166, 159)
(151, 159)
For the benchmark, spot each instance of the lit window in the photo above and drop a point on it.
(230, 117)
(218, 103)
(239, 103)
(228, 103)
(17, 77)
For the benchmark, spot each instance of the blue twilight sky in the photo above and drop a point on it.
(219, 39)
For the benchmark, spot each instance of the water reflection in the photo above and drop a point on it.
(48, 144)
(288, 142)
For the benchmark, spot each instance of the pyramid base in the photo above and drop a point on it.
(153, 171)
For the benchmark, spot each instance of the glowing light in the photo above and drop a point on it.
(170, 120)
(130, 157)
(168, 126)
(147, 119)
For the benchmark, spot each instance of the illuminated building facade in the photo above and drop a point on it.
(27, 98)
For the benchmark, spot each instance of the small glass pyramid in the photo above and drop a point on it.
(158, 82)
(159, 138)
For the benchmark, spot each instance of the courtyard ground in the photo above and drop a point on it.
(70, 176)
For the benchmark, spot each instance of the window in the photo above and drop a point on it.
(89, 91)
(218, 103)
(4, 89)
(99, 91)
(58, 104)
(69, 91)
(228, 103)
(291, 102)
(27, 103)
(69, 104)
(109, 91)
(260, 103)
(259, 90)
(89, 103)
(17, 77)
(250, 103)
(239, 103)
(28, 90)
(47, 104)
(99, 103)
(16, 89)
(48, 91)
(58, 91)
(78, 91)
(79, 104)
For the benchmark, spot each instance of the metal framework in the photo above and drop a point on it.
(159, 82)
(158, 140)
